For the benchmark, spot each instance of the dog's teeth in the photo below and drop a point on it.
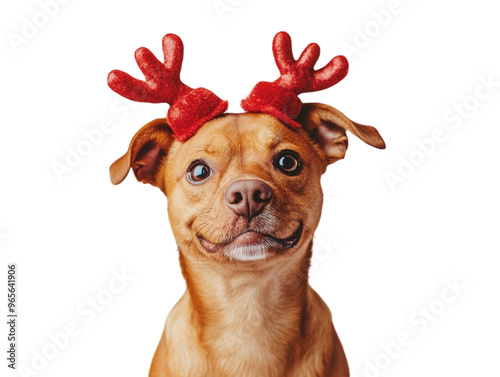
(247, 253)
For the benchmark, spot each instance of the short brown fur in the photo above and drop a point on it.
(239, 317)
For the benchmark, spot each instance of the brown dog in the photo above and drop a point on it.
(244, 200)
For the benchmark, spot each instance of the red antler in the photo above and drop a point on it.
(189, 108)
(299, 75)
(280, 98)
(163, 83)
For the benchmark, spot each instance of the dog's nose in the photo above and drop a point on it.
(248, 197)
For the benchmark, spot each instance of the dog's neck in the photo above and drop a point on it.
(246, 307)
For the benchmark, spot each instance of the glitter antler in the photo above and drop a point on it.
(280, 98)
(189, 108)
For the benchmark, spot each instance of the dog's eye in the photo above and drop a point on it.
(198, 172)
(288, 162)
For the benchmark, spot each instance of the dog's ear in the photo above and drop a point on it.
(148, 148)
(327, 128)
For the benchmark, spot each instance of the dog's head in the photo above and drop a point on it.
(246, 186)
(240, 187)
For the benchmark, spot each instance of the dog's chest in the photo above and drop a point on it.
(254, 338)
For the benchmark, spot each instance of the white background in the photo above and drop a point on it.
(382, 254)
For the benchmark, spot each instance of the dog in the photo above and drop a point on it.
(244, 200)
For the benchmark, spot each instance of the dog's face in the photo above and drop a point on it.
(246, 187)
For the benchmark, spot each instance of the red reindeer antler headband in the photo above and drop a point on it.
(280, 98)
(191, 108)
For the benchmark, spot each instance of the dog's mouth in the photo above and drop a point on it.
(251, 240)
